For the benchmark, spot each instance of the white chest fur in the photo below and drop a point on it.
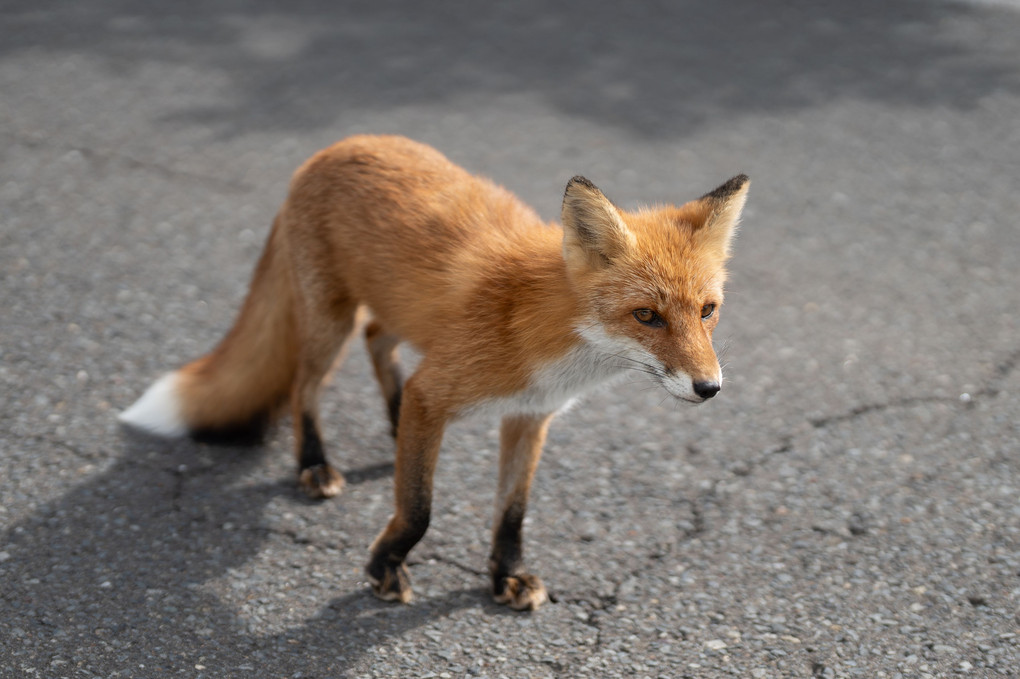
(556, 384)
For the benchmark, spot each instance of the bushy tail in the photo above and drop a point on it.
(233, 392)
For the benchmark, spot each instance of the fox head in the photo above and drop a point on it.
(651, 282)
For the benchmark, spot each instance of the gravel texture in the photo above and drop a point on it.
(846, 507)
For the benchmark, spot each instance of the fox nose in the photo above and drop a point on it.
(706, 389)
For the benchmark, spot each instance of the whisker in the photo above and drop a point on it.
(640, 369)
(724, 343)
(649, 366)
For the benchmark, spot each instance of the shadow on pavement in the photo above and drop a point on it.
(652, 68)
(113, 567)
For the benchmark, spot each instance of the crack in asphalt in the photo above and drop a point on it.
(784, 443)
(1001, 371)
(858, 411)
(439, 558)
(53, 441)
(594, 605)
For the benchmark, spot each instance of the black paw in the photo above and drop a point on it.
(390, 581)
(521, 592)
(321, 481)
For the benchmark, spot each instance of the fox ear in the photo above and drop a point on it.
(721, 210)
(593, 231)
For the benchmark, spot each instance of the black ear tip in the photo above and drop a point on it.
(729, 188)
(579, 180)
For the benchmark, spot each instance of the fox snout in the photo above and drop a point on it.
(691, 389)
(700, 390)
(706, 389)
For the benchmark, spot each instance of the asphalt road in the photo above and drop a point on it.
(846, 507)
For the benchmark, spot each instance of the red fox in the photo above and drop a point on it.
(511, 315)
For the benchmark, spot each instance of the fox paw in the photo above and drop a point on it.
(522, 592)
(321, 481)
(393, 585)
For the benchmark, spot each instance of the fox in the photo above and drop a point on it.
(511, 316)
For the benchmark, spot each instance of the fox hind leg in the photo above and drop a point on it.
(382, 347)
(322, 340)
(521, 440)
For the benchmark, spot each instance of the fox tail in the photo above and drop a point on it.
(233, 392)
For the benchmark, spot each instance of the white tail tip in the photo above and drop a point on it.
(158, 411)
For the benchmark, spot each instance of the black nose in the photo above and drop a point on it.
(706, 389)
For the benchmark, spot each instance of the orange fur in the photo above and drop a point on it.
(509, 313)
(250, 373)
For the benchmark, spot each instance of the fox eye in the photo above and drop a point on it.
(707, 311)
(649, 317)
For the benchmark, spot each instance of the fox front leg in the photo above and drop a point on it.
(521, 439)
(419, 437)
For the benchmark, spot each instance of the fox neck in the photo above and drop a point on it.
(542, 306)
(552, 328)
